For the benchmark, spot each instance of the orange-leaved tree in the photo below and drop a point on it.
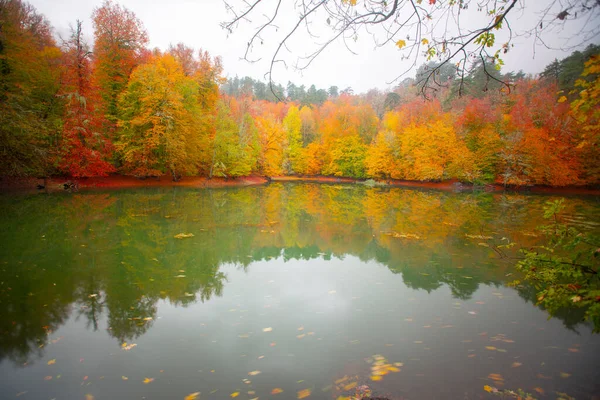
(84, 148)
(119, 44)
(159, 121)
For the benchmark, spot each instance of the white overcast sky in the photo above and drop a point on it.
(196, 23)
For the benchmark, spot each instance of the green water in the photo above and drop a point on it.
(302, 283)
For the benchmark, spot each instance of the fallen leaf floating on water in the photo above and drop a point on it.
(403, 235)
(516, 364)
(539, 390)
(47, 378)
(253, 373)
(490, 389)
(148, 380)
(481, 237)
(381, 367)
(350, 386)
(234, 394)
(128, 347)
(184, 235)
(301, 336)
(496, 377)
(192, 396)
(490, 348)
(269, 329)
(53, 361)
(89, 397)
(124, 378)
(276, 391)
(302, 394)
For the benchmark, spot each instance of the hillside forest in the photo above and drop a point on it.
(67, 108)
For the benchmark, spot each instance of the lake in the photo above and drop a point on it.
(284, 291)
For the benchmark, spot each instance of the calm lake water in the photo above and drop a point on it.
(297, 288)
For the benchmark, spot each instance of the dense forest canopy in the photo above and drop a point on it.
(69, 107)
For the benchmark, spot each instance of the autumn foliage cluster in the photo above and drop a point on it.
(126, 109)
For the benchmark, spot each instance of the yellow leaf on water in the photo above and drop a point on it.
(148, 380)
(269, 329)
(53, 361)
(124, 377)
(490, 348)
(490, 389)
(184, 235)
(350, 386)
(376, 378)
(277, 391)
(235, 394)
(192, 396)
(304, 393)
(301, 336)
(253, 373)
(516, 364)
(393, 369)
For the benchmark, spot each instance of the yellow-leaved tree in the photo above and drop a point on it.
(293, 127)
(586, 110)
(159, 121)
(272, 138)
(432, 151)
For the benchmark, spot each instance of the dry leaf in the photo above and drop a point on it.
(303, 393)
(516, 364)
(53, 361)
(276, 391)
(269, 329)
(235, 394)
(192, 396)
(252, 373)
(148, 380)
(124, 377)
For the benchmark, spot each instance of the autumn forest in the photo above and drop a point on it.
(73, 109)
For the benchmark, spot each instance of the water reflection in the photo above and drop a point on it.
(114, 255)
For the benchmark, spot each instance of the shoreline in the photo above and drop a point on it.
(56, 184)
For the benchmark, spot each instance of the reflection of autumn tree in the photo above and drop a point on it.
(114, 255)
